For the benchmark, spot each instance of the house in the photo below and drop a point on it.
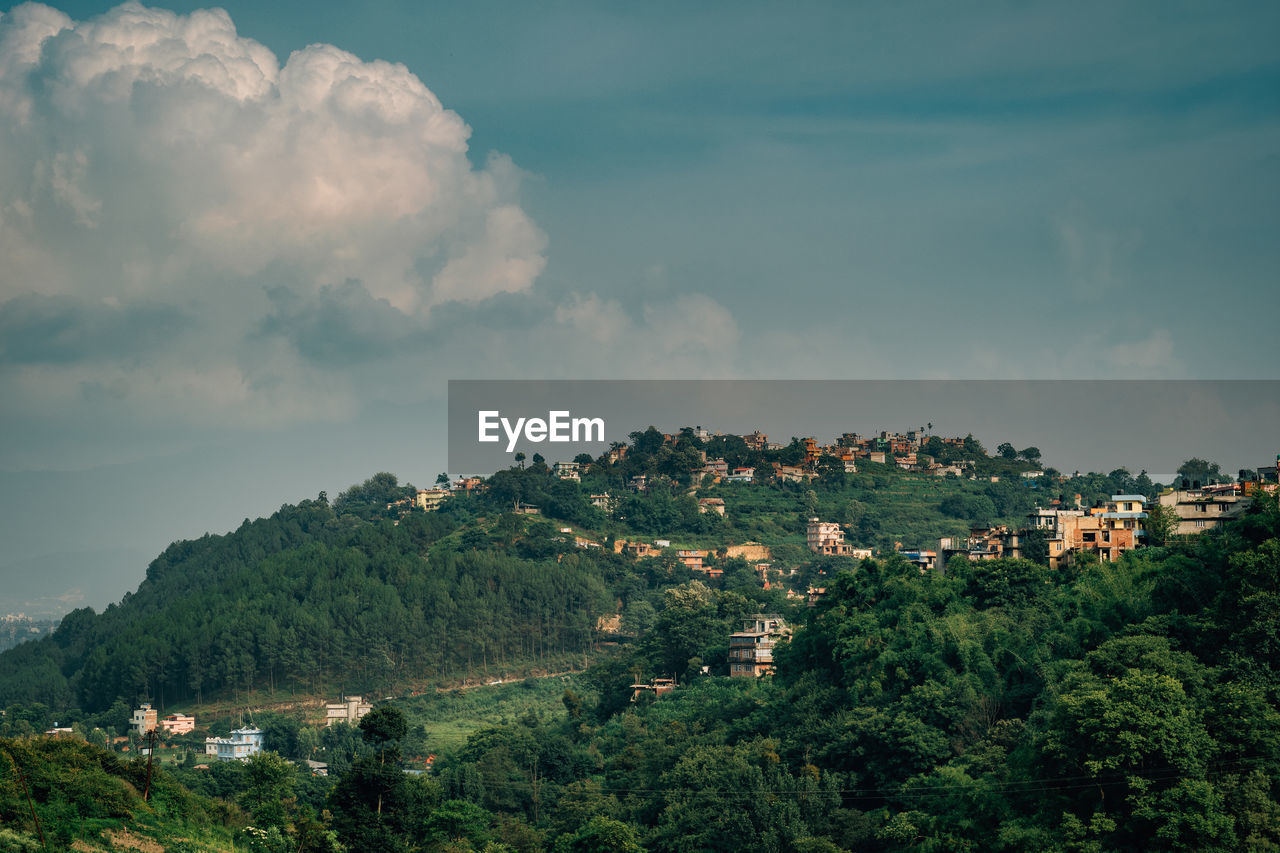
(742, 475)
(348, 711)
(790, 473)
(526, 509)
(603, 502)
(751, 649)
(1265, 479)
(143, 719)
(639, 483)
(982, 543)
(243, 743)
(826, 537)
(1125, 512)
(1204, 508)
(1106, 532)
(926, 560)
(430, 499)
(716, 467)
(715, 505)
(658, 688)
(567, 471)
(757, 441)
(468, 484)
(692, 558)
(811, 452)
(635, 549)
(178, 724)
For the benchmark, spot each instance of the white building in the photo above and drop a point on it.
(348, 711)
(242, 744)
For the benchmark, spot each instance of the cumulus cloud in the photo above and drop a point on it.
(169, 186)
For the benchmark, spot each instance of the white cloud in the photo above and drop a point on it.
(688, 335)
(155, 159)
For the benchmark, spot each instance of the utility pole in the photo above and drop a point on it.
(22, 777)
(150, 740)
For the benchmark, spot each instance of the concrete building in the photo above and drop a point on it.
(926, 560)
(751, 649)
(178, 724)
(430, 499)
(826, 537)
(243, 743)
(715, 505)
(1201, 509)
(982, 543)
(348, 711)
(693, 558)
(143, 720)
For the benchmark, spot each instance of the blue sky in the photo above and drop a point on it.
(260, 270)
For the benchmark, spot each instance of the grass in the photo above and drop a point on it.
(449, 717)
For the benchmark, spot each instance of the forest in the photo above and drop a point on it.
(997, 705)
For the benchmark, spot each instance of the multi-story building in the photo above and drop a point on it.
(693, 559)
(567, 471)
(1201, 509)
(348, 711)
(143, 719)
(982, 543)
(1106, 532)
(430, 499)
(826, 537)
(178, 724)
(751, 649)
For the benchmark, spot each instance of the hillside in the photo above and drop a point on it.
(363, 595)
(1000, 705)
(84, 796)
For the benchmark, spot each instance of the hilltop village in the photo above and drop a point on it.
(1058, 528)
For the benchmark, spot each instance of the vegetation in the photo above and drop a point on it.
(54, 792)
(998, 705)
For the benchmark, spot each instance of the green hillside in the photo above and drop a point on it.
(1000, 705)
(56, 793)
(362, 595)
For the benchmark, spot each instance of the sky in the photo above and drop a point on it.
(245, 248)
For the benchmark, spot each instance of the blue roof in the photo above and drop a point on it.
(1129, 498)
